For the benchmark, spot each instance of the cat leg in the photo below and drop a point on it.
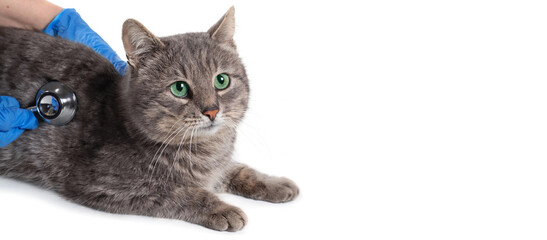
(247, 182)
(193, 205)
(206, 209)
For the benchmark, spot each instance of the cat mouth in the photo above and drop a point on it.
(209, 128)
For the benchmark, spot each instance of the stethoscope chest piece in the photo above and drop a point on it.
(55, 103)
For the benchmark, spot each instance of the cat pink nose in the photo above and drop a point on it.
(211, 113)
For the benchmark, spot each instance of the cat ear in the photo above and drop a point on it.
(223, 30)
(137, 41)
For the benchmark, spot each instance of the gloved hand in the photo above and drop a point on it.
(69, 25)
(14, 120)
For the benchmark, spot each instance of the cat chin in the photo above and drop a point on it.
(208, 130)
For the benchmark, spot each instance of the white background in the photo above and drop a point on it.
(397, 119)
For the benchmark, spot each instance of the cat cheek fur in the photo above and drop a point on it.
(132, 148)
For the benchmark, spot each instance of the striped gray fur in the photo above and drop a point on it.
(133, 147)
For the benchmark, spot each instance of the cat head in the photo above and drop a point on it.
(184, 86)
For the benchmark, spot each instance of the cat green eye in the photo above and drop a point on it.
(179, 89)
(222, 81)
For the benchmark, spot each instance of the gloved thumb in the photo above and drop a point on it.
(17, 118)
(8, 102)
(9, 136)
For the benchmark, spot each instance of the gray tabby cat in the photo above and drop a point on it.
(156, 142)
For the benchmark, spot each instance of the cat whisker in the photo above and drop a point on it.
(190, 153)
(176, 154)
(167, 137)
(255, 141)
(161, 153)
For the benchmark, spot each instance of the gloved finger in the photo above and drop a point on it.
(8, 102)
(120, 66)
(25, 119)
(9, 136)
(17, 118)
(68, 24)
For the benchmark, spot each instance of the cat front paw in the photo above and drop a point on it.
(226, 218)
(252, 184)
(279, 190)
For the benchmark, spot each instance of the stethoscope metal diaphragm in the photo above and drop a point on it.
(56, 104)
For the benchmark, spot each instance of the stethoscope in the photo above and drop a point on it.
(55, 103)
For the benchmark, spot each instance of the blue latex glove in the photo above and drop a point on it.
(69, 25)
(14, 120)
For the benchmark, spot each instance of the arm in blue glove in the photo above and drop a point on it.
(41, 15)
(69, 25)
(14, 120)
